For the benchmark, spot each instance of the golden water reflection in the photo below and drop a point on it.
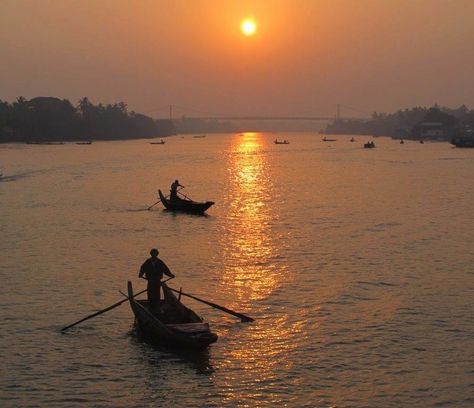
(249, 251)
(252, 272)
(260, 357)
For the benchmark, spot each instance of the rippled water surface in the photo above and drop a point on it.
(357, 265)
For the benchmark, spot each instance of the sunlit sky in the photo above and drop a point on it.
(305, 56)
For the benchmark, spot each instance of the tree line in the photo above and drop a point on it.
(404, 123)
(53, 119)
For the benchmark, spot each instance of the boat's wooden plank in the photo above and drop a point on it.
(190, 327)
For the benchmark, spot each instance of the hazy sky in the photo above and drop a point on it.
(306, 56)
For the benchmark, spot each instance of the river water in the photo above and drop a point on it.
(357, 265)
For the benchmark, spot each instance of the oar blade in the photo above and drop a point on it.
(241, 316)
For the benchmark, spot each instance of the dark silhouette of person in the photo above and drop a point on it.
(174, 190)
(153, 270)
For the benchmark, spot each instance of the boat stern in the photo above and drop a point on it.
(130, 289)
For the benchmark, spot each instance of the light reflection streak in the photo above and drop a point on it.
(260, 357)
(251, 273)
(248, 248)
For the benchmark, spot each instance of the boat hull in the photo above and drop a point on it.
(187, 206)
(165, 328)
(462, 141)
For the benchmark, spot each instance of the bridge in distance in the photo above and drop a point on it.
(286, 118)
(222, 116)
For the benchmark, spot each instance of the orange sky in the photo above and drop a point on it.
(307, 55)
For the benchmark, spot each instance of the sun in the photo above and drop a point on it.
(248, 27)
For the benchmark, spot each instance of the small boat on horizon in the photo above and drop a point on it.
(158, 143)
(44, 143)
(171, 323)
(325, 139)
(87, 142)
(464, 140)
(188, 206)
(369, 145)
(199, 136)
(276, 141)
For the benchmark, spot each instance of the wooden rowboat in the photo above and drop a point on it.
(466, 140)
(172, 323)
(188, 206)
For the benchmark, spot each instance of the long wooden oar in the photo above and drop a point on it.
(242, 317)
(108, 308)
(151, 206)
(100, 312)
(185, 196)
(159, 201)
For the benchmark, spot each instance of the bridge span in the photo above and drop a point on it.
(275, 118)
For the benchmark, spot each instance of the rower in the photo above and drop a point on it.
(174, 190)
(152, 270)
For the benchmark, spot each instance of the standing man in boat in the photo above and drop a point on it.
(153, 270)
(174, 190)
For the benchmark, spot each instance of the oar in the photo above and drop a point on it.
(100, 312)
(185, 196)
(243, 317)
(151, 206)
(108, 308)
(159, 201)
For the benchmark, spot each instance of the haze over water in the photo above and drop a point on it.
(357, 265)
(304, 58)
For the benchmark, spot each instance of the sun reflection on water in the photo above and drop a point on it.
(252, 272)
(260, 356)
(249, 252)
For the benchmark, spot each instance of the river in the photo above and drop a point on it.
(357, 265)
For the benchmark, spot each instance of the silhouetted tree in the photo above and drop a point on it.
(436, 115)
(48, 119)
(403, 121)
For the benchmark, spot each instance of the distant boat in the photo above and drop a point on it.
(421, 142)
(199, 136)
(87, 142)
(44, 143)
(463, 141)
(369, 145)
(352, 140)
(401, 141)
(160, 142)
(276, 141)
(188, 206)
(325, 139)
